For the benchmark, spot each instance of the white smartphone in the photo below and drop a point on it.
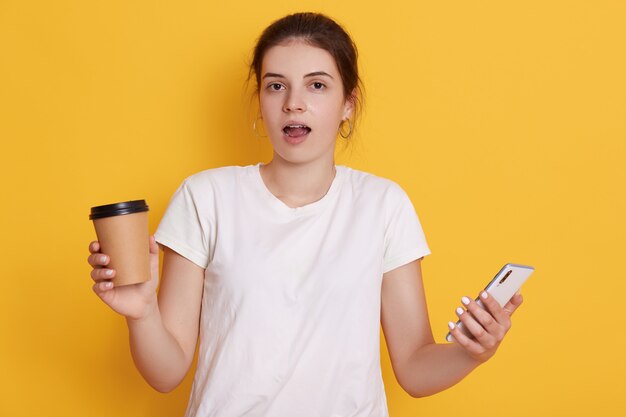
(502, 287)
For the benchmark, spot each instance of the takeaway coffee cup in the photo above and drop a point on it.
(122, 230)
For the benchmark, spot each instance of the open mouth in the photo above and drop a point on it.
(296, 131)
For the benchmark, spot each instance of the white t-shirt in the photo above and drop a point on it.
(290, 322)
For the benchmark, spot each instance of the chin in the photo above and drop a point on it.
(303, 150)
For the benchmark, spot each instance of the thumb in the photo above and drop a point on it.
(154, 247)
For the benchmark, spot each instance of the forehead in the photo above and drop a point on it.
(297, 58)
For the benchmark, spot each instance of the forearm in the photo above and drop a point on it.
(156, 353)
(434, 368)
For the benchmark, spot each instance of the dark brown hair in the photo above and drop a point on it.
(322, 32)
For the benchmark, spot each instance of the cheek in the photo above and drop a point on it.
(268, 107)
(331, 113)
(263, 101)
(330, 107)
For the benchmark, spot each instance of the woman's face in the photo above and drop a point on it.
(302, 102)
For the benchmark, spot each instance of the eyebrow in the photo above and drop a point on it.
(311, 74)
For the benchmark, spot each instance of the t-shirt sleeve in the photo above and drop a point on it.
(184, 227)
(404, 236)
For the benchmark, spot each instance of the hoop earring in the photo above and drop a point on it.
(254, 128)
(341, 129)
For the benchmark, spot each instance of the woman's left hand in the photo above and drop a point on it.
(488, 325)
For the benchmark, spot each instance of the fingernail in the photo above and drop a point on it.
(108, 273)
(465, 301)
(459, 311)
(451, 325)
(107, 285)
(103, 258)
(484, 295)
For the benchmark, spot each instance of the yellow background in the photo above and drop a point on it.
(505, 122)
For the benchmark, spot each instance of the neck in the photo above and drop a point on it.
(298, 184)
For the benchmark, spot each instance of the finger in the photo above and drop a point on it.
(467, 343)
(102, 287)
(482, 336)
(102, 274)
(154, 247)
(513, 303)
(98, 259)
(94, 246)
(496, 311)
(488, 320)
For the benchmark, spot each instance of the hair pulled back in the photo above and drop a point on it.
(322, 32)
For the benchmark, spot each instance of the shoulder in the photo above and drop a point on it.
(217, 177)
(362, 182)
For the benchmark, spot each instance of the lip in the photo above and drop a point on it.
(294, 141)
(296, 123)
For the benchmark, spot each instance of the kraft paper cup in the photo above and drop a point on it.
(122, 230)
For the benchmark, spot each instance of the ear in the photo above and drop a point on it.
(349, 105)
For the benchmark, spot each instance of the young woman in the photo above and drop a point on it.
(285, 270)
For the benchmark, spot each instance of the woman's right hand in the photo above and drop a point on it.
(134, 301)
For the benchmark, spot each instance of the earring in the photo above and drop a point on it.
(254, 128)
(341, 129)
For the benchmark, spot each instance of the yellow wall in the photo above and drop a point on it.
(504, 121)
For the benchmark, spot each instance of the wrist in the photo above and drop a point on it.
(150, 312)
(472, 360)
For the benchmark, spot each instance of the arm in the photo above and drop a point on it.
(164, 341)
(163, 331)
(423, 367)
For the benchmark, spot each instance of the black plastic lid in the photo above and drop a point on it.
(118, 209)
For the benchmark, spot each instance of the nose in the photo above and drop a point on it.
(294, 102)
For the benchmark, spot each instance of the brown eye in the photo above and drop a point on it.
(318, 85)
(275, 87)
